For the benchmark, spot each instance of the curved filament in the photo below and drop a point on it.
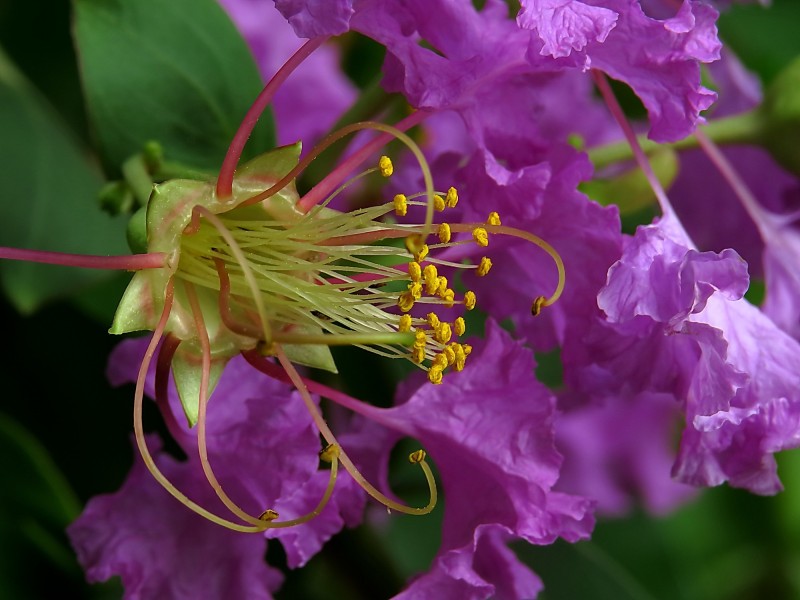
(202, 446)
(245, 265)
(141, 443)
(336, 136)
(327, 434)
(533, 239)
(234, 153)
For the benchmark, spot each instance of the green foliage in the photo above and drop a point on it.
(48, 197)
(177, 72)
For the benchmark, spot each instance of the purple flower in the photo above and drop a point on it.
(162, 550)
(264, 447)
(566, 25)
(658, 59)
(489, 430)
(477, 50)
(734, 371)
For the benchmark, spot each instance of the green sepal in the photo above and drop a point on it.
(187, 369)
(169, 212)
(317, 356)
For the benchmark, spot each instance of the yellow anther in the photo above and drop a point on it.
(414, 271)
(385, 166)
(467, 349)
(441, 285)
(405, 301)
(268, 515)
(449, 297)
(440, 360)
(421, 254)
(480, 236)
(443, 333)
(433, 320)
(400, 205)
(470, 300)
(418, 355)
(461, 357)
(329, 453)
(438, 203)
(537, 305)
(484, 266)
(416, 289)
(431, 276)
(459, 326)
(494, 218)
(420, 338)
(417, 457)
(452, 198)
(435, 374)
(405, 323)
(444, 233)
(414, 243)
(449, 354)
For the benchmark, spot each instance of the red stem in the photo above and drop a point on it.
(229, 164)
(163, 367)
(641, 158)
(133, 262)
(276, 372)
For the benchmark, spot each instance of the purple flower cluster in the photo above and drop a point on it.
(654, 335)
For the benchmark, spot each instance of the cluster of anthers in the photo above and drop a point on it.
(235, 268)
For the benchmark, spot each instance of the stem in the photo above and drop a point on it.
(641, 158)
(357, 406)
(133, 262)
(739, 187)
(226, 172)
(744, 128)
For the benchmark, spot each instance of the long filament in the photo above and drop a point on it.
(133, 262)
(641, 158)
(202, 407)
(246, 270)
(323, 428)
(228, 168)
(141, 442)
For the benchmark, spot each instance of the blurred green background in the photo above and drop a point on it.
(65, 433)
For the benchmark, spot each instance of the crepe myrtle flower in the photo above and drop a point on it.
(245, 265)
(732, 370)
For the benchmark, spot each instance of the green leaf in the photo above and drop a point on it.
(764, 38)
(177, 72)
(36, 504)
(49, 191)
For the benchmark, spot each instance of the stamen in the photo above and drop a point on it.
(451, 200)
(480, 236)
(141, 442)
(459, 326)
(400, 205)
(484, 266)
(385, 166)
(202, 408)
(444, 232)
(327, 434)
(493, 219)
